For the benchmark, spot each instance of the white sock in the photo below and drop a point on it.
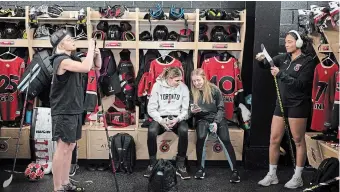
(272, 169)
(298, 171)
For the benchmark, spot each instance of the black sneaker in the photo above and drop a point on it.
(148, 171)
(71, 187)
(200, 174)
(235, 178)
(73, 169)
(182, 172)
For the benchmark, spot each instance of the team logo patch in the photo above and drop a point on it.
(297, 67)
(3, 144)
(217, 148)
(165, 147)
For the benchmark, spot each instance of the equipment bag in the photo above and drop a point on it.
(42, 70)
(119, 119)
(328, 169)
(123, 152)
(163, 177)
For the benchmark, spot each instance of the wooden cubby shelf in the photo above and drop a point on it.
(93, 143)
(139, 24)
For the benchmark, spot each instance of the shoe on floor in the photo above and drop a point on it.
(72, 187)
(73, 169)
(200, 174)
(102, 167)
(294, 182)
(148, 171)
(182, 172)
(235, 177)
(269, 180)
(91, 167)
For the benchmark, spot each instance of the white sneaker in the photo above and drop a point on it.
(269, 180)
(48, 169)
(294, 183)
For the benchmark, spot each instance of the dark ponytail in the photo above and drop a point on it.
(307, 47)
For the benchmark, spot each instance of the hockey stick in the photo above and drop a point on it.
(9, 180)
(108, 142)
(270, 60)
(323, 184)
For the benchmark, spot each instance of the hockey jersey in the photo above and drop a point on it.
(323, 95)
(226, 76)
(10, 74)
(149, 78)
(91, 92)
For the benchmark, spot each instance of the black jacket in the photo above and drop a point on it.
(295, 78)
(212, 112)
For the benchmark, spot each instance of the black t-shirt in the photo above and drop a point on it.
(67, 91)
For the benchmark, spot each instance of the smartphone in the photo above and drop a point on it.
(194, 106)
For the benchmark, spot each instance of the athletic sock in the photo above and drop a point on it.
(298, 171)
(272, 169)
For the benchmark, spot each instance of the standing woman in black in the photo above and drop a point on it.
(208, 110)
(294, 71)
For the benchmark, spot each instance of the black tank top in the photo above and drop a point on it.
(67, 91)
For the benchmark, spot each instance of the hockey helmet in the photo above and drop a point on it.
(218, 34)
(114, 33)
(160, 33)
(145, 36)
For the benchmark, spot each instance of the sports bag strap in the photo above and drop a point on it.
(126, 144)
(118, 144)
(226, 153)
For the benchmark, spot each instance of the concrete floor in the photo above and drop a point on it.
(217, 180)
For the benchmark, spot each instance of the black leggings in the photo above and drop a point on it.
(155, 129)
(202, 129)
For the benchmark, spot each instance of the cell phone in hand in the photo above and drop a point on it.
(194, 107)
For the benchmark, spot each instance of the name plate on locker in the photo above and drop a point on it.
(167, 45)
(220, 45)
(113, 44)
(42, 123)
(6, 42)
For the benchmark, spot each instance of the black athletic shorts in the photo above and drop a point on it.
(67, 127)
(301, 111)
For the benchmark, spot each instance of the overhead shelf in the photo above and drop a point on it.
(12, 18)
(47, 44)
(221, 21)
(332, 37)
(219, 46)
(166, 45)
(118, 44)
(167, 21)
(13, 43)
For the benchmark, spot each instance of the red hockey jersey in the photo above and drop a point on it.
(10, 74)
(91, 92)
(323, 95)
(149, 79)
(226, 76)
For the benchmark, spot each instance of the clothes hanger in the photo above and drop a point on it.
(163, 57)
(327, 61)
(224, 56)
(8, 53)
